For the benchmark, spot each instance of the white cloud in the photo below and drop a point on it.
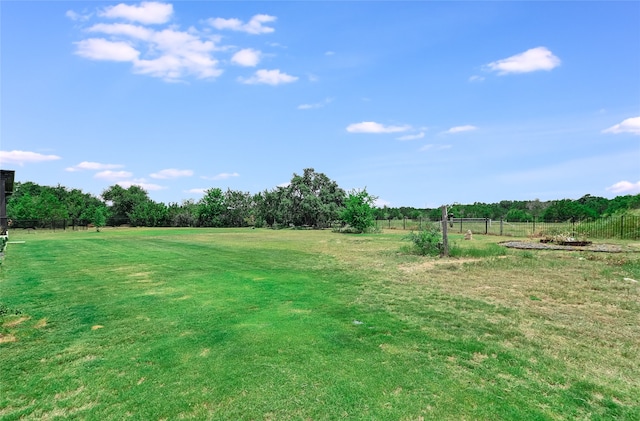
(196, 191)
(460, 129)
(133, 31)
(373, 127)
(316, 105)
(168, 54)
(539, 58)
(630, 125)
(171, 173)
(149, 12)
(95, 166)
(381, 203)
(102, 49)
(254, 26)
(476, 78)
(247, 57)
(140, 183)
(329, 53)
(24, 157)
(221, 176)
(411, 136)
(112, 175)
(625, 187)
(269, 77)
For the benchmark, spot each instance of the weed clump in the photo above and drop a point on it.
(427, 241)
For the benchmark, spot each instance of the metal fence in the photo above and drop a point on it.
(620, 227)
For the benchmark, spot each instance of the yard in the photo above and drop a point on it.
(241, 324)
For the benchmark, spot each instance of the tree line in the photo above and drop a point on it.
(310, 199)
(587, 207)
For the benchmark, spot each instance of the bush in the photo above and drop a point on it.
(427, 241)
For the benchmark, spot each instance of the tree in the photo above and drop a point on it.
(99, 217)
(123, 201)
(315, 199)
(148, 214)
(183, 215)
(211, 208)
(358, 211)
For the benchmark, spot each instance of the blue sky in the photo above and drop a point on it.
(421, 103)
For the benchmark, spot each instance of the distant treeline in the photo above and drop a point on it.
(310, 199)
(585, 208)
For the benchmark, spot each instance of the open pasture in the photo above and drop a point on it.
(248, 324)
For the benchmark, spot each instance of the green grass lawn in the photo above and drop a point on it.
(274, 325)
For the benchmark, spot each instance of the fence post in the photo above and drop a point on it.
(486, 226)
(621, 227)
(501, 225)
(445, 240)
(404, 223)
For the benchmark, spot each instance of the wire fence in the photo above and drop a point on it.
(615, 227)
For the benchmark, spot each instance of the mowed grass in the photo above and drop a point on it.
(277, 325)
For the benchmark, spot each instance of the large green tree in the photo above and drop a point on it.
(211, 208)
(123, 201)
(315, 199)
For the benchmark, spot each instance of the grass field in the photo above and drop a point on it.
(312, 325)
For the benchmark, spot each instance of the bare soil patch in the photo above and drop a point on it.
(605, 248)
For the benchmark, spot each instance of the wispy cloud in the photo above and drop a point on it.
(255, 26)
(411, 136)
(432, 147)
(113, 175)
(93, 166)
(196, 191)
(373, 127)
(534, 59)
(269, 77)
(149, 12)
(476, 78)
(460, 129)
(171, 173)
(78, 17)
(630, 125)
(315, 105)
(221, 176)
(142, 184)
(25, 157)
(625, 187)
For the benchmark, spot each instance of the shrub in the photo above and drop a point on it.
(427, 241)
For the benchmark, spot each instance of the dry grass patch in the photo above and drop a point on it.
(15, 322)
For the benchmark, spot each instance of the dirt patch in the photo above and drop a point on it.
(430, 264)
(530, 245)
(16, 322)
(7, 338)
(40, 323)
